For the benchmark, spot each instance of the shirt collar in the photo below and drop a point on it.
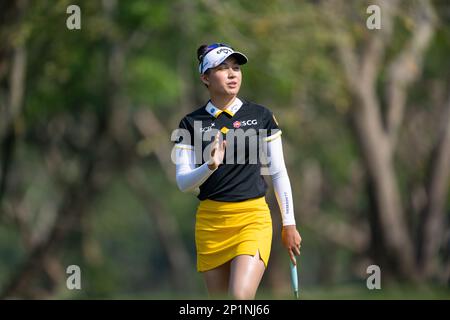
(231, 110)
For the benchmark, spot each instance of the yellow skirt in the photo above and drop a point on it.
(224, 230)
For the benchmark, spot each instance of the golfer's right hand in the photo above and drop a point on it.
(292, 241)
(217, 152)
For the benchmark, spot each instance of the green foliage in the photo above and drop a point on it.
(152, 82)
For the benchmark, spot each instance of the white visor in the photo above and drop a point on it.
(217, 56)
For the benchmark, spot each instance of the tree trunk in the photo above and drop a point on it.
(167, 229)
(377, 141)
(378, 159)
(431, 232)
(13, 104)
(76, 198)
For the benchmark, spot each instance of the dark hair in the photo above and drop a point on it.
(201, 51)
(200, 54)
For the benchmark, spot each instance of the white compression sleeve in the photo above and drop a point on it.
(281, 182)
(187, 175)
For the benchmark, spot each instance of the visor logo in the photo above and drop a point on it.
(225, 50)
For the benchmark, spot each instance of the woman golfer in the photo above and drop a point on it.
(219, 152)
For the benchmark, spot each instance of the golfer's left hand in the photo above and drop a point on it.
(292, 241)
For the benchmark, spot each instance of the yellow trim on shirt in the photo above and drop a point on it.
(229, 112)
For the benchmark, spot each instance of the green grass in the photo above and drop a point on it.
(342, 292)
(388, 293)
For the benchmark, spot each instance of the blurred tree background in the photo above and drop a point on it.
(86, 176)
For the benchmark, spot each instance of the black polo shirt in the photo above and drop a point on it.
(239, 177)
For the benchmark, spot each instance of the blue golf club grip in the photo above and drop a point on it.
(294, 279)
